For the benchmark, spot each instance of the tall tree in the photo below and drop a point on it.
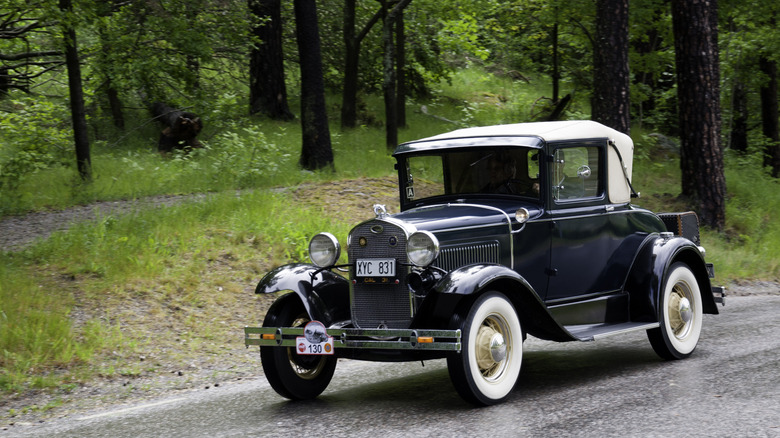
(316, 152)
(400, 68)
(610, 101)
(78, 114)
(352, 41)
(695, 24)
(769, 115)
(390, 74)
(738, 139)
(267, 88)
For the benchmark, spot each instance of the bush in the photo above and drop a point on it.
(34, 137)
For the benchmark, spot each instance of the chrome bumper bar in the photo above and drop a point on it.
(378, 339)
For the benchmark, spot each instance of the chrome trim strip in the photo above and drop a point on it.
(580, 216)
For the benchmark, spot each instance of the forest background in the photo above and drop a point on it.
(384, 72)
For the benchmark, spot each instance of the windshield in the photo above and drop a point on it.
(500, 171)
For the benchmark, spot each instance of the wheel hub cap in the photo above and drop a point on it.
(491, 347)
(497, 347)
(685, 310)
(680, 314)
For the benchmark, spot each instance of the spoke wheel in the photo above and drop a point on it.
(291, 375)
(488, 365)
(680, 315)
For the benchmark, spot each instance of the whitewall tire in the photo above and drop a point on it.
(488, 365)
(680, 315)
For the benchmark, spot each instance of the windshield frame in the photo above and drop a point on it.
(482, 151)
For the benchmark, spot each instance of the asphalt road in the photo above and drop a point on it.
(730, 387)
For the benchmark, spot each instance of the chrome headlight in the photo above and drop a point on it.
(324, 250)
(422, 248)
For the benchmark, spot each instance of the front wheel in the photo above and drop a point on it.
(488, 365)
(291, 375)
(680, 315)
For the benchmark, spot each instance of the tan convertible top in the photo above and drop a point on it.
(618, 188)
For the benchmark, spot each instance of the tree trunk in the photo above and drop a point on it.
(267, 89)
(610, 103)
(78, 114)
(390, 78)
(556, 73)
(400, 65)
(388, 84)
(695, 25)
(316, 152)
(769, 115)
(739, 119)
(116, 106)
(352, 62)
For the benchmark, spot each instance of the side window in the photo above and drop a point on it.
(533, 165)
(575, 173)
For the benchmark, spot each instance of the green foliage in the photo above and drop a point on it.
(35, 137)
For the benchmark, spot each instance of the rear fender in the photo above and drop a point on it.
(470, 281)
(325, 295)
(645, 282)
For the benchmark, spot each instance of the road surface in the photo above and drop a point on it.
(616, 387)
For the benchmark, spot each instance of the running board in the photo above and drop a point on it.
(592, 332)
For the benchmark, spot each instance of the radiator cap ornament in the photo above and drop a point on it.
(380, 211)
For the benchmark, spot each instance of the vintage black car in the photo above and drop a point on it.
(504, 232)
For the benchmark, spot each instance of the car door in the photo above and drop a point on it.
(585, 233)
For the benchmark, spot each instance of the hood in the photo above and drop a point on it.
(444, 217)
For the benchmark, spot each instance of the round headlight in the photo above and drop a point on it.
(324, 250)
(422, 248)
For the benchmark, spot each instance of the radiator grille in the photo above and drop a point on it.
(374, 305)
(453, 257)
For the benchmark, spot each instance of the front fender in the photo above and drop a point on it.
(646, 281)
(326, 298)
(474, 279)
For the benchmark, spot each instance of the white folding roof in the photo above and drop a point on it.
(572, 130)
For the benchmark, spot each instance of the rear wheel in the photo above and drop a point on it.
(488, 365)
(680, 315)
(291, 375)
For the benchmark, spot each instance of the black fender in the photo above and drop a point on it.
(648, 274)
(326, 297)
(474, 279)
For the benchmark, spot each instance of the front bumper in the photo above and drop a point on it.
(376, 339)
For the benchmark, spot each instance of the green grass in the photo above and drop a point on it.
(180, 263)
(161, 255)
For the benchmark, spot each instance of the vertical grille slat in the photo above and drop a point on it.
(453, 257)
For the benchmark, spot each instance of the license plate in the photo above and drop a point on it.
(314, 348)
(375, 268)
(315, 340)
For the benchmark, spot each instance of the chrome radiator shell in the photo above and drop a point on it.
(378, 305)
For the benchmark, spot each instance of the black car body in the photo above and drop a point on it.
(504, 231)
